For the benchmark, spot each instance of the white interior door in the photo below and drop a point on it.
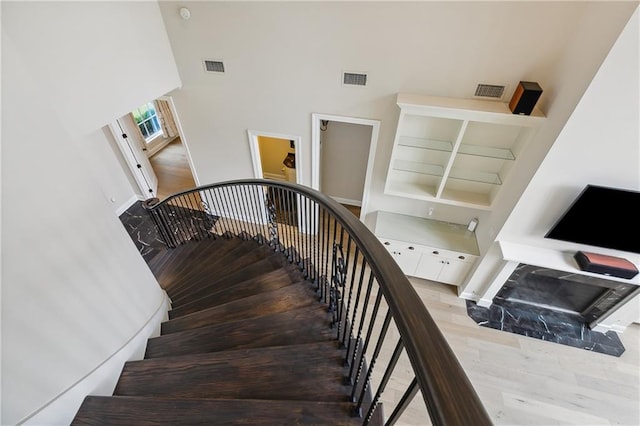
(132, 150)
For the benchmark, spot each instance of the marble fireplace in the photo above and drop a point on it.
(557, 306)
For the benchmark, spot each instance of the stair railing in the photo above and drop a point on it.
(377, 315)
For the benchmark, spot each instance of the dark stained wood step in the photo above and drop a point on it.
(171, 265)
(271, 302)
(273, 280)
(304, 325)
(218, 263)
(307, 372)
(126, 410)
(207, 284)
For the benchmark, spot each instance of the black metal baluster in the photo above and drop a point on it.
(355, 313)
(351, 286)
(385, 379)
(314, 222)
(344, 287)
(230, 211)
(242, 211)
(322, 253)
(258, 194)
(225, 212)
(217, 203)
(374, 358)
(404, 403)
(358, 337)
(367, 339)
(272, 225)
(168, 224)
(290, 228)
(239, 211)
(250, 218)
(181, 216)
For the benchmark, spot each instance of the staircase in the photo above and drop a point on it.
(247, 342)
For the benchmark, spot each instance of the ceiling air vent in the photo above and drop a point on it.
(489, 91)
(354, 79)
(213, 66)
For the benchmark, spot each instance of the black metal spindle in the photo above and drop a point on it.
(358, 336)
(406, 399)
(355, 315)
(385, 379)
(365, 346)
(221, 224)
(374, 358)
(351, 286)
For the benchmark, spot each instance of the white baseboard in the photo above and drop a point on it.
(123, 208)
(274, 176)
(347, 201)
(102, 379)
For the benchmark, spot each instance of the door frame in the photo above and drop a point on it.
(128, 152)
(254, 146)
(176, 118)
(316, 118)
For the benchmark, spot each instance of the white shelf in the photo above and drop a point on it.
(456, 151)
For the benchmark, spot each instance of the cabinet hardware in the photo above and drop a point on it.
(411, 248)
(436, 252)
(461, 257)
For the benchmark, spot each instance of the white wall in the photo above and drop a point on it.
(345, 152)
(103, 158)
(434, 48)
(75, 291)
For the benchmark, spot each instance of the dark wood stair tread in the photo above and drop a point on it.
(209, 280)
(309, 372)
(304, 325)
(217, 266)
(272, 280)
(281, 300)
(126, 410)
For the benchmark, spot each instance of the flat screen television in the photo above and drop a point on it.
(602, 217)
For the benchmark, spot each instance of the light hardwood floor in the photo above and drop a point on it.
(172, 169)
(526, 381)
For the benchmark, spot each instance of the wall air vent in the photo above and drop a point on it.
(213, 66)
(489, 91)
(354, 79)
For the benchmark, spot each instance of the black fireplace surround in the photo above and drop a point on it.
(556, 306)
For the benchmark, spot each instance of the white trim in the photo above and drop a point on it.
(176, 118)
(102, 379)
(347, 201)
(157, 148)
(125, 206)
(315, 152)
(274, 176)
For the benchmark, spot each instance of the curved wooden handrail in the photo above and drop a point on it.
(449, 395)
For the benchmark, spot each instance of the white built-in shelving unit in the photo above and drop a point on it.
(456, 151)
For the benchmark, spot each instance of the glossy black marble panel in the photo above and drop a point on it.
(142, 231)
(545, 324)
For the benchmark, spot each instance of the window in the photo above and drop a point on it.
(147, 120)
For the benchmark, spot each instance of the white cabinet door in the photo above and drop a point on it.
(405, 255)
(430, 265)
(444, 266)
(454, 271)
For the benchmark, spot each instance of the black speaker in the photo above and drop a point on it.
(525, 97)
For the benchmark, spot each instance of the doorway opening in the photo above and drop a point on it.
(153, 145)
(274, 156)
(343, 152)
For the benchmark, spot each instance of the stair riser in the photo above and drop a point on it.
(272, 330)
